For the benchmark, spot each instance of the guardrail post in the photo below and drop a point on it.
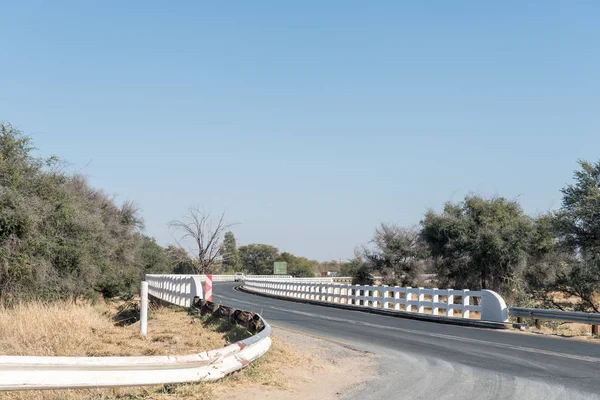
(538, 324)
(144, 308)
(595, 330)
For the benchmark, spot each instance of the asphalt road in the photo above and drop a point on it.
(422, 359)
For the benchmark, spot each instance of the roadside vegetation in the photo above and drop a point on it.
(71, 260)
(85, 329)
(61, 239)
(550, 260)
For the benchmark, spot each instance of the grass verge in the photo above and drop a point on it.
(67, 329)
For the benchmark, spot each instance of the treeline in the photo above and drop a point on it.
(59, 237)
(255, 259)
(490, 243)
(62, 239)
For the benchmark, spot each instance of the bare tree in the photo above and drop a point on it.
(207, 235)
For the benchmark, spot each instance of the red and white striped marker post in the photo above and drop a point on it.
(208, 288)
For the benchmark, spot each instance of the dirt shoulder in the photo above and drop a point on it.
(296, 366)
(319, 369)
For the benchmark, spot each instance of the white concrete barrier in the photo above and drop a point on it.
(440, 302)
(175, 289)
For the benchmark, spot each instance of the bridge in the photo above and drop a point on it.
(419, 353)
(428, 357)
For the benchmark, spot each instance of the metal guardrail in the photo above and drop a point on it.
(28, 373)
(557, 315)
(48, 372)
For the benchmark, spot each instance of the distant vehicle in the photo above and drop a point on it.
(238, 277)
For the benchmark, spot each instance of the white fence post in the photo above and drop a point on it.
(421, 300)
(144, 308)
(466, 301)
(449, 303)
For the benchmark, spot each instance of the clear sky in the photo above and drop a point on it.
(307, 122)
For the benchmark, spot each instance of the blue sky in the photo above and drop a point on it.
(310, 122)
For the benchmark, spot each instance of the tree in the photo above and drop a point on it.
(363, 276)
(547, 260)
(578, 221)
(577, 225)
(348, 268)
(329, 266)
(298, 266)
(258, 259)
(361, 270)
(179, 260)
(479, 243)
(206, 234)
(59, 237)
(230, 254)
(398, 254)
(153, 257)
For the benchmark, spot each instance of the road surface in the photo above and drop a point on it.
(424, 359)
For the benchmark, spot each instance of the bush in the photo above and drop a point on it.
(59, 237)
(363, 276)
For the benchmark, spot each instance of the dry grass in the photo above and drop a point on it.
(66, 329)
(572, 330)
(89, 330)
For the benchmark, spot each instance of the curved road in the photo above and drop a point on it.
(424, 359)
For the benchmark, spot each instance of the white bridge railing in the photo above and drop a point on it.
(175, 289)
(488, 305)
(275, 277)
(287, 278)
(231, 278)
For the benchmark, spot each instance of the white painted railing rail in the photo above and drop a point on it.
(287, 278)
(219, 278)
(175, 289)
(488, 305)
(273, 277)
(30, 372)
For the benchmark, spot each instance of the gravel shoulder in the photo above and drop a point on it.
(324, 369)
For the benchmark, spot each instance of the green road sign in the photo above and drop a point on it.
(280, 268)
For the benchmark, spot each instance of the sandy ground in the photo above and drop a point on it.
(405, 376)
(329, 371)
